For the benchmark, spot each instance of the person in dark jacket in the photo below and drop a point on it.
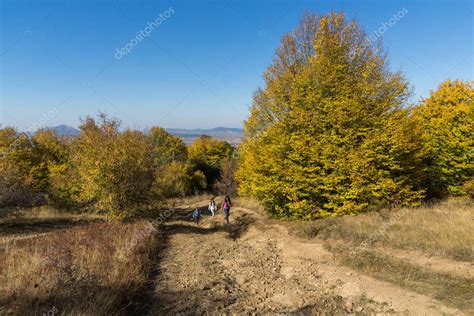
(196, 215)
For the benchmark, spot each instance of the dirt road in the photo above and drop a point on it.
(254, 265)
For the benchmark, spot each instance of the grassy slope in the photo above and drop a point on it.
(444, 230)
(99, 268)
(82, 268)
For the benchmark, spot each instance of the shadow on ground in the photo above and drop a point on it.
(234, 229)
(25, 226)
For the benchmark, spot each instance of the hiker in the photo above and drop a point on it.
(226, 206)
(196, 215)
(212, 207)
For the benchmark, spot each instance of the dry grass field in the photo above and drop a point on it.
(428, 249)
(73, 265)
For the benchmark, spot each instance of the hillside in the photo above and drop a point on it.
(255, 264)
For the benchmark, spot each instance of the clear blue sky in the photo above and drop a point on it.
(199, 67)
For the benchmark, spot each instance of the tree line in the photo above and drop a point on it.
(107, 170)
(332, 131)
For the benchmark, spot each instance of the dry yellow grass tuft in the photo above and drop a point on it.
(189, 200)
(95, 269)
(250, 203)
(444, 229)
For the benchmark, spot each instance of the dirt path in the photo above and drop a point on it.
(438, 264)
(253, 265)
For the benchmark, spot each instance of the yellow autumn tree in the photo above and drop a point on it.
(17, 186)
(61, 179)
(328, 135)
(173, 174)
(446, 122)
(166, 147)
(28, 165)
(115, 169)
(51, 152)
(208, 156)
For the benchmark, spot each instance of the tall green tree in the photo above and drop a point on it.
(323, 137)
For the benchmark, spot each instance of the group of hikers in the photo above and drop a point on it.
(212, 207)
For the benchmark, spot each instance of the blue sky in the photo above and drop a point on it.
(200, 66)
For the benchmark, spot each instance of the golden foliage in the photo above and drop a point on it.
(328, 135)
(446, 123)
(208, 155)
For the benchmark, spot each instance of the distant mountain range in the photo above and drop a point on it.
(231, 135)
(61, 130)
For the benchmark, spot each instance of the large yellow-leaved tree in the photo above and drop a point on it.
(328, 133)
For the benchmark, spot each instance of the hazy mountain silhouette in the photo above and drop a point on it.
(65, 130)
(231, 135)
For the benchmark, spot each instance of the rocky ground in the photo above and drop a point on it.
(253, 265)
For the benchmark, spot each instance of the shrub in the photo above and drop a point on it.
(14, 189)
(468, 188)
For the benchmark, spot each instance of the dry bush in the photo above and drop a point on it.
(444, 229)
(14, 190)
(96, 269)
(227, 184)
